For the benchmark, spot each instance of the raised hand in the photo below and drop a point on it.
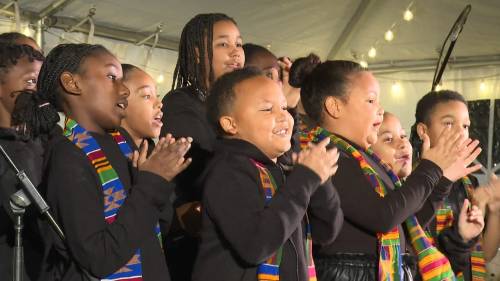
(317, 158)
(452, 153)
(488, 195)
(470, 222)
(292, 94)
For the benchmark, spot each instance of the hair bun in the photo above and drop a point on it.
(301, 68)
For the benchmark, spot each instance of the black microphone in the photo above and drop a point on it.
(452, 37)
(460, 23)
(21, 200)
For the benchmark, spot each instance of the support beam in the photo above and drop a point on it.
(53, 8)
(350, 29)
(112, 33)
(430, 64)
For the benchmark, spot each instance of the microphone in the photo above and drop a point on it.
(28, 194)
(460, 23)
(451, 39)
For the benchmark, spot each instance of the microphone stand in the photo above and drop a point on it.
(19, 201)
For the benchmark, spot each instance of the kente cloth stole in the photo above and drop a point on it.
(270, 269)
(112, 188)
(433, 265)
(444, 219)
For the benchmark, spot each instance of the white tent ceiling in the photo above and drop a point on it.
(296, 27)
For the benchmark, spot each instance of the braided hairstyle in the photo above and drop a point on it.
(39, 112)
(194, 46)
(10, 54)
(424, 111)
(318, 80)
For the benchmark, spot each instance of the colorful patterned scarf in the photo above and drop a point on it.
(112, 188)
(270, 269)
(433, 265)
(444, 219)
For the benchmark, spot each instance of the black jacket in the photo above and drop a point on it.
(27, 155)
(75, 194)
(366, 213)
(239, 232)
(184, 115)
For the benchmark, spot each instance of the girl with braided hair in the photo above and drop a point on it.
(210, 46)
(19, 67)
(106, 199)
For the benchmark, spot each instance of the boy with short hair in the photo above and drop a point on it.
(255, 224)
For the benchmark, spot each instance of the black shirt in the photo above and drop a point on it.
(74, 191)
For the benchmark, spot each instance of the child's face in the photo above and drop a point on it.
(260, 117)
(227, 48)
(103, 94)
(453, 114)
(267, 64)
(362, 110)
(393, 147)
(143, 114)
(20, 77)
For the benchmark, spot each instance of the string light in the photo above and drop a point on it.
(482, 86)
(408, 15)
(372, 52)
(160, 79)
(389, 35)
(439, 87)
(396, 89)
(363, 63)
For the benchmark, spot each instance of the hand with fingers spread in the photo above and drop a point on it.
(167, 159)
(317, 158)
(452, 153)
(470, 222)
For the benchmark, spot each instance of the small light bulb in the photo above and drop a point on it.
(482, 86)
(438, 87)
(396, 89)
(408, 15)
(363, 63)
(372, 52)
(160, 79)
(389, 35)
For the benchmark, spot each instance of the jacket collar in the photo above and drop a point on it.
(241, 147)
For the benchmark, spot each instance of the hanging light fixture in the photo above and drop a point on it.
(396, 89)
(389, 35)
(482, 86)
(408, 15)
(160, 79)
(372, 52)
